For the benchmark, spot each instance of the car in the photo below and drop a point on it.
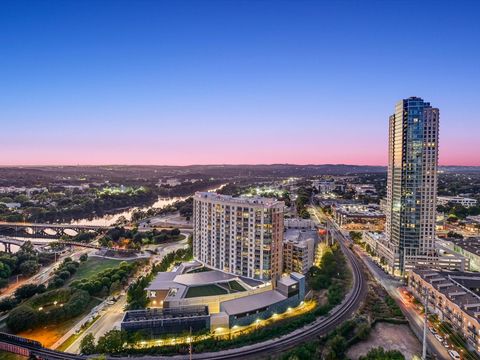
(446, 344)
(432, 330)
(453, 354)
(439, 338)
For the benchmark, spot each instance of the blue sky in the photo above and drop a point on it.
(197, 82)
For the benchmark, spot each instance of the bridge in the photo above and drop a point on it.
(49, 231)
(54, 231)
(8, 242)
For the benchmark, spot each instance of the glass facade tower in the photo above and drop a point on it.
(412, 182)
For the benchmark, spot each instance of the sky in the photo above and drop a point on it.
(231, 82)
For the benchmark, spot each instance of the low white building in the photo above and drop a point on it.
(464, 201)
(324, 186)
(12, 205)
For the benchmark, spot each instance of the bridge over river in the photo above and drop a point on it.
(55, 231)
(8, 242)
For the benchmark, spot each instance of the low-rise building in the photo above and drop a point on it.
(12, 205)
(201, 298)
(470, 248)
(193, 284)
(166, 321)
(453, 297)
(299, 250)
(442, 258)
(323, 186)
(363, 189)
(288, 293)
(464, 201)
(359, 217)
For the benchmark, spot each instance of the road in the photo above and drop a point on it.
(44, 275)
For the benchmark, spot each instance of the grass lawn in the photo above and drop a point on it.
(8, 356)
(235, 286)
(93, 266)
(205, 290)
(50, 334)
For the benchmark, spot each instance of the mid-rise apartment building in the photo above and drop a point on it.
(299, 250)
(239, 235)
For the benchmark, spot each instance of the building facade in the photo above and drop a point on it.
(412, 182)
(464, 201)
(453, 297)
(242, 236)
(299, 250)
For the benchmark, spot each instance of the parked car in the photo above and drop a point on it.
(453, 354)
(432, 330)
(439, 338)
(446, 344)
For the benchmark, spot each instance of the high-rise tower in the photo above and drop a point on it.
(412, 183)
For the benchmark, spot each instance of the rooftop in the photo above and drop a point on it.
(456, 287)
(299, 236)
(178, 283)
(472, 245)
(372, 210)
(250, 303)
(227, 199)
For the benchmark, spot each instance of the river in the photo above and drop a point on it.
(110, 219)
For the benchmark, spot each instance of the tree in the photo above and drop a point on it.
(29, 267)
(22, 318)
(5, 270)
(336, 348)
(8, 303)
(28, 290)
(111, 342)
(356, 236)
(64, 275)
(83, 257)
(87, 345)
(115, 287)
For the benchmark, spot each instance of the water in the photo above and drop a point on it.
(110, 219)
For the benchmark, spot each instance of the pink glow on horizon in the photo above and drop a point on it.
(169, 154)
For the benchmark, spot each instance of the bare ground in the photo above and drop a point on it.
(390, 337)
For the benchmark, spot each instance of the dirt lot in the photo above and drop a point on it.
(390, 337)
